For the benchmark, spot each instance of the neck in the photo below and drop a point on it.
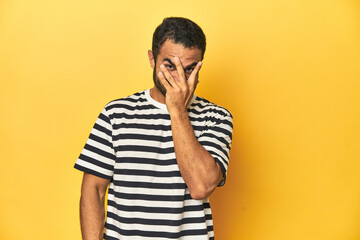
(157, 95)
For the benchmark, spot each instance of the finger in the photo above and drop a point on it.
(168, 76)
(193, 77)
(163, 81)
(180, 70)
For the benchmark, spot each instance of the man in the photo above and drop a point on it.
(161, 151)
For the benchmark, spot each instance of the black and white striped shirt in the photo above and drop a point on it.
(131, 144)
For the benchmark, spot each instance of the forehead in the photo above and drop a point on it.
(170, 50)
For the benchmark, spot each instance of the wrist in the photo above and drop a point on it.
(180, 114)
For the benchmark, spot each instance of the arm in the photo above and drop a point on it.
(198, 168)
(92, 210)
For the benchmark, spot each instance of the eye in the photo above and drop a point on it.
(189, 70)
(170, 67)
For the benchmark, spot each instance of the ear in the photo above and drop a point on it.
(151, 59)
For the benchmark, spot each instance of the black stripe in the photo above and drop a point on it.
(96, 162)
(155, 209)
(131, 108)
(139, 116)
(218, 129)
(149, 126)
(208, 217)
(86, 170)
(99, 151)
(146, 161)
(130, 99)
(215, 154)
(143, 137)
(211, 135)
(100, 140)
(160, 222)
(211, 144)
(142, 148)
(143, 126)
(153, 197)
(207, 111)
(104, 118)
(102, 129)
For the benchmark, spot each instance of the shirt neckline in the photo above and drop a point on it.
(162, 106)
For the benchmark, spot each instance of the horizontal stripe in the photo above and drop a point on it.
(201, 223)
(146, 161)
(163, 222)
(99, 151)
(91, 171)
(149, 167)
(142, 136)
(150, 185)
(152, 197)
(96, 162)
(155, 234)
(142, 148)
(157, 216)
(154, 209)
(149, 126)
(147, 173)
(215, 146)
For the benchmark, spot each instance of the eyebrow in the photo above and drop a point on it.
(189, 66)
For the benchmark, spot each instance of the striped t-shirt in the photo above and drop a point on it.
(131, 144)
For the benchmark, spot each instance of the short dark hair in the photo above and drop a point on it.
(180, 30)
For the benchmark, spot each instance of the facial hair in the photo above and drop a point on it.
(157, 83)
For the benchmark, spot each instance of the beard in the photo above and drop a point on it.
(157, 83)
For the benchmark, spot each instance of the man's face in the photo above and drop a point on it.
(189, 57)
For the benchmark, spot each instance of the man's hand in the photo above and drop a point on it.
(178, 92)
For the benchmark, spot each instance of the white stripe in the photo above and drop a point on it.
(147, 143)
(133, 178)
(149, 167)
(97, 157)
(159, 228)
(94, 167)
(158, 156)
(149, 191)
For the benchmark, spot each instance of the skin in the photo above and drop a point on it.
(174, 85)
(92, 210)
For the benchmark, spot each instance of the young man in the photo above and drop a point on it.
(161, 151)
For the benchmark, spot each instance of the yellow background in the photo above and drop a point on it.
(289, 71)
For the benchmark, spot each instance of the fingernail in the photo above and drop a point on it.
(200, 63)
(162, 66)
(160, 73)
(176, 59)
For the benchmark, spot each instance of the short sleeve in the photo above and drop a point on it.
(98, 154)
(216, 139)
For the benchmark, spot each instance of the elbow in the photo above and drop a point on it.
(200, 193)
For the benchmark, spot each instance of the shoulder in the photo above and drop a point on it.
(124, 102)
(201, 105)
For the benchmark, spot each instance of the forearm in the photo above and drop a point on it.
(92, 215)
(198, 168)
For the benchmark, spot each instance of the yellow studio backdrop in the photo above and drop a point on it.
(289, 71)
